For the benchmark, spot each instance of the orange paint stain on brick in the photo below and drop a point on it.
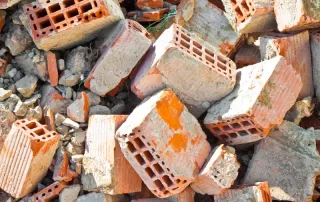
(170, 108)
(178, 142)
(196, 140)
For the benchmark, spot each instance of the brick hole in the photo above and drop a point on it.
(131, 148)
(31, 134)
(38, 35)
(150, 172)
(143, 137)
(43, 194)
(197, 51)
(178, 181)
(64, 24)
(234, 2)
(184, 181)
(93, 15)
(153, 150)
(162, 162)
(48, 1)
(51, 30)
(223, 137)
(238, 12)
(253, 131)
(196, 44)
(233, 135)
(185, 37)
(157, 156)
(37, 198)
(72, 22)
(58, 18)
(245, 6)
(172, 175)
(148, 143)
(158, 168)
(86, 7)
(58, 27)
(31, 17)
(28, 9)
(39, 132)
(50, 190)
(236, 125)
(243, 133)
(139, 143)
(159, 185)
(79, 19)
(35, 27)
(68, 3)
(48, 136)
(140, 159)
(56, 186)
(31, 125)
(95, 4)
(72, 13)
(148, 156)
(245, 123)
(34, 6)
(184, 44)
(210, 59)
(166, 192)
(221, 66)
(54, 8)
(41, 13)
(132, 134)
(217, 130)
(43, 32)
(86, 17)
(226, 128)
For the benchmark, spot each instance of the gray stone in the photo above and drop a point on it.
(33, 99)
(122, 95)
(4, 94)
(21, 109)
(12, 72)
(99, 109)
(92, 197)
(13, 88)
(11, 102)
(61, 65)
(27, 85)
(94, 99)
(68, 92)
(72, 124)
(77, 61)
(73, 149)
(62, 129)
(78, 137)
(18, 76)
(288, 159)
(18, 39)
(119, 108)
(35, 113)
(69, 79)
(58, 119)
(70, 193)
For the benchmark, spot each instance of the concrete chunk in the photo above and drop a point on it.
(27, 85)
(79, 110)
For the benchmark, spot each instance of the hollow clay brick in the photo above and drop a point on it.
(296, 49)
(218, 173)
(52, 69)
(297, 15)
(26, 156)
(130, 41)
(263, 94)
(251, 15)
(49, 193)
(209, 22)
(176, 60)
(259, 192)
(56, 24)
(105, 169)
(164, 143)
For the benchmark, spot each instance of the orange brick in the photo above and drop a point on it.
(26, 156)
(49, 120)
(52, 69)
(103, 162)
(263, 94)
(147, 16)
(49, 193)
(247, 55)
(3, 63)
(147, 4)
(164, 143)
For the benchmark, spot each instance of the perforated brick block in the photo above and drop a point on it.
(62, 24)
(148, 16)
(26, 156)
(147, 4)
(164, 143)
(130, 41)
(297, 15)
(209, 22)
(49, 193)
(315, 45)
(263, 94)
(296, 49)
(105, 169)
(251, 15)
(181, 61)
(258, 192)
(219, 172)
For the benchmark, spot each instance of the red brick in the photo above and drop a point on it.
(147, 16)
(147, 4)
(2, 18)
(62, 171)
(3, 63)
(26, 156)
(157, 139)
(49, 193)
(263, 94)
(52, 69)
(49, 120)
(247, 55)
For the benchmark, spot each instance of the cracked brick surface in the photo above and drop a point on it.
(164, 144)
(263, 94)
(26, 156)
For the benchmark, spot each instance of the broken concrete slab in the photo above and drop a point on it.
(27, 85)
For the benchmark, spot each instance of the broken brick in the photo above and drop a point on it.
(3, 14)
(49, 120)
(3, 63)
(164, 143)
(103, 170)
(63, 24)
(62, 171)
(26, 156)
(218, 173)
(79, 110)
(176, 59)
(263, 94)
(147, 16)
(147, 4)
(290, 46)
(52, 69)
(50, 192)
(315, 45)
(259, 192)
(247, 55)
(186, 195)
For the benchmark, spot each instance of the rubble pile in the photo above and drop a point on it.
(159, 100)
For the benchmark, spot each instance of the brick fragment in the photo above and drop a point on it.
(251, 15)
(144, 193)
(49, 120)
(147, 4)
(62, 171)
(296, 49)
(27, 85)
(259, 192)
(148, 16)
(2, 18)
(3, 63)
(297, 15)
(52, 69)
(52, 99)
(103, 170)
(218, 173)
(26, 156)
(186, 195)
(164, 143)
(79, 110)
(277, 159)
(64, 24)
(176, 60)
(315, 45)
(50, 192)
(209, 22)
(263, 94)
(247, 55)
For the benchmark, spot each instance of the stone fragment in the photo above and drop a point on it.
(288, 159)
(92, 197)
(153, 15)
(68, 122)
(78, 60)
(33, 99)
(58, 119)
(315, 45)
(119, 107)
(259, 102)
(301, 109)
(79, 110)
(99, 109)
(62, 129)
(164, 143)
(4, 94)
(94, 99)
(61, 170)
(69, 193)
(21, 109)
(73, 149)
(68, 92)
(61, 64)
(219, 172)
(17, 39)
(27, 85)
(69, 79)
